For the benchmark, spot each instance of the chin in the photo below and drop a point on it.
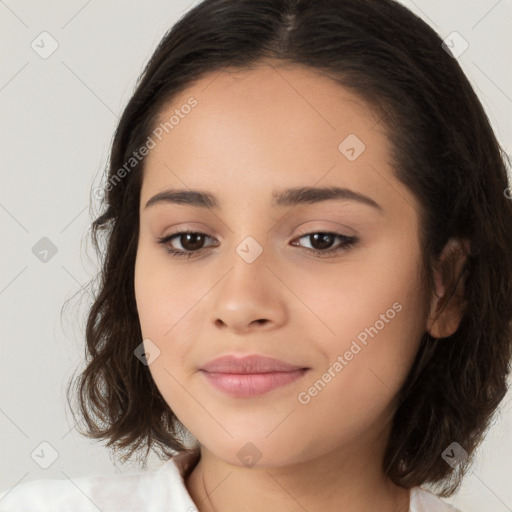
(255, 451)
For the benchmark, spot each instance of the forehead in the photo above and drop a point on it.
(275, 97)
(267, 128)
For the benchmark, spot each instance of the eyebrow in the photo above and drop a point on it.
(289, 197)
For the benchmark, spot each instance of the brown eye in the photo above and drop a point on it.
(321, 242)
(191, 242)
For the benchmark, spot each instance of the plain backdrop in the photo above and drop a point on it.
(58, 115)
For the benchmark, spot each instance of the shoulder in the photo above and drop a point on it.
(126, 492)
(425, 501)
(44, 495)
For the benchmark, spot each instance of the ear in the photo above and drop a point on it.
(448, 299)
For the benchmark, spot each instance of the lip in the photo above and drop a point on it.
(248, 364)
(252, 375)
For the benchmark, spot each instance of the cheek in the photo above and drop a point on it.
(347, 297)
(366, 365)
(167, 302)
(371, 313)
(166, 296)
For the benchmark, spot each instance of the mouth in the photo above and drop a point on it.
(249, 376)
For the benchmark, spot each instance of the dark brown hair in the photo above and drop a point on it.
(443, 150)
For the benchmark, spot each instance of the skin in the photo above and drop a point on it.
(251, 133)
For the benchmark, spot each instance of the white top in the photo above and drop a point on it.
(158, 490)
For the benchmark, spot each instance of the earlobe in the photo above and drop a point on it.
(448, 298)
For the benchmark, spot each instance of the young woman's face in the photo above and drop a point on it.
(256, 282)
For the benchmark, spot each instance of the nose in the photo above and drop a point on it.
(249, 297)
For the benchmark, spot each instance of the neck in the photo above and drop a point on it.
(348, 480)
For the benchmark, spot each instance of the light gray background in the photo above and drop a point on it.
(58, 116)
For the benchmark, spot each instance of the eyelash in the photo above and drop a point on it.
(347, 243)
